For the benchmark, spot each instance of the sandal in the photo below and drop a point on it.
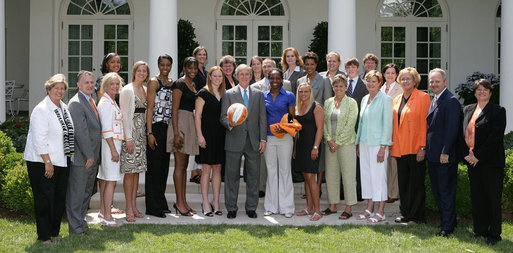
(114, 210)
(139, 215)
(364, 216)
(315, 217)
(303, 213)
(345, 215)
(101, 216)
(328, 211)
(376, 220)
(140, 194)
(130, 218)
(303, 196)
(108, 223)
(196, 179)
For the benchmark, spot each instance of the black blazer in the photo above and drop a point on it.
(227, 83)
(489, 135)
(359, 92)
(293, 79)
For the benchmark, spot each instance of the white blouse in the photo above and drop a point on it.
(111, 119)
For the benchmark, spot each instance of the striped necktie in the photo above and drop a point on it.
(349, 91)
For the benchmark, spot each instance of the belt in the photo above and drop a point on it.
(140, 110)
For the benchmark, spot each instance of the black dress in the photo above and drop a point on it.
(200, 80)
(212, 130)
(305, 142)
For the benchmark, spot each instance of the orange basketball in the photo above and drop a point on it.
(237, 113)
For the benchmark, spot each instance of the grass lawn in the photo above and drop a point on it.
(20, 235)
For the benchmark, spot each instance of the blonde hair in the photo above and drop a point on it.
(108, 78)
(374, 73)
(54, 80)
(299, 61)
(333, 53)
(410, 71)
(311, 101)
(136, 66)
(210, 88)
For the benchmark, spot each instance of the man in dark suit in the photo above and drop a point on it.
(248, 139)
(84, 163)
(356, 89)
(443, 130)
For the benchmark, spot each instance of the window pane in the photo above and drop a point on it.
(239, 61)
(399, 50)
(400, 63)
(122, 48)
(399, 33)
(434, 34)
(123, 32)
(87, 63)
(73, 10)
(277, 32)
(123, 10)
(73, 48)
(241, 32)
(73, 64)
(386, 49)
(263, 49)
(422, 50)
(434, 64)
(87, 32)
(422, 66)
(263, 33)
(385, 62)
(227, 48)
(87, 48)
(423, 82)
(228, 32)
(72, 82)
(434, 50)
(124, 75)
(109, 46)
(276, 49)
(109, 32)
(422, 34)
(74, 32)
(386, 33)
(240, 49)
(124, 64)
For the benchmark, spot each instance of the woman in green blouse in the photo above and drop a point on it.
(340, 115)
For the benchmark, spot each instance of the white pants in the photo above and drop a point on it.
(279, 191)
(373, 174)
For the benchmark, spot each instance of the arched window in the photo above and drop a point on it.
(413, 33)
(91, 29)
(251, 27)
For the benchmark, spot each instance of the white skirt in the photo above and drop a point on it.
(109, 170)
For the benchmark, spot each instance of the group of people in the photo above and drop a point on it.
(370, 134)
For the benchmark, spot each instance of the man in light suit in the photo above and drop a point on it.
(248, 139)
(356, 89)
(263, 85)
(443, 130)
(85, 161)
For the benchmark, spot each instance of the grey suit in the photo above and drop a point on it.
(87, 145)
(244, 140)
(325, 73)
(321, 87)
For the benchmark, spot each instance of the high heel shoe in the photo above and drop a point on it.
(216, 212)
(209, 214)
(188, 213)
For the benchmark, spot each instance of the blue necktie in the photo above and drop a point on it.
(246, 98)
(349, 91)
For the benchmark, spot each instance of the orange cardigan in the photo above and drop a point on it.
(410, 134)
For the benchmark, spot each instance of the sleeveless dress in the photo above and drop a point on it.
(212, 130)
(136, 162)
(305, 142)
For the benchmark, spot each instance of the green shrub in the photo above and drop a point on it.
(463, 200)
(507, 193)
(186, 41)
(16, 192)
(17, 130)
(464, 90)
(319, 44)
(508, 140)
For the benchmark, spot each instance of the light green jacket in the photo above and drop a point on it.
(346, 120)
(379, 121)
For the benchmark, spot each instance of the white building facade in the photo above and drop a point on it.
(44, 37)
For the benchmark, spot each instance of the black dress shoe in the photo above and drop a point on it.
(261, 194)
(157, 214)
(231, 214)
(166, 211)
(251, 214)
(444, 233)
(492, 241)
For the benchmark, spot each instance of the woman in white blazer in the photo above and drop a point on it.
(50, 144)
(112, 137)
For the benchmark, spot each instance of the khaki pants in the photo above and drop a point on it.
(341, 163)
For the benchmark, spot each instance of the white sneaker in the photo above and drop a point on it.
(267, 213)
(289, 215)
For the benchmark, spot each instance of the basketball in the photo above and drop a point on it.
(237, 113)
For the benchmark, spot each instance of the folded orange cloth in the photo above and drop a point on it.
(286, 125)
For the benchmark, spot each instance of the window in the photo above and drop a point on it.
(252, 27)
(95, 7)
(413, 33)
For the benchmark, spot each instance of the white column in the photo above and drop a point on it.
(163, 34)
(342, 28)
(2, 61)
(507, 61)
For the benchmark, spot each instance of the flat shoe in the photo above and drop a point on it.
(364, 216)
(328, 211)
(114, 210)
(345, 215)
(111, 223)
(303, 213)
(315, 217)
(139, 215)
(130, 218)
(376, 220)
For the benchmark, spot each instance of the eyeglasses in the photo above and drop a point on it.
(405, 79)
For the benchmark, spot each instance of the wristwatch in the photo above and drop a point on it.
(422, 148)
(48, 161)
(315, 147)
(148, 134)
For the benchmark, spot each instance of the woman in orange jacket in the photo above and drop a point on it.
(410, 110)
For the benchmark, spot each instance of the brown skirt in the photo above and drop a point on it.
(187, 131)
